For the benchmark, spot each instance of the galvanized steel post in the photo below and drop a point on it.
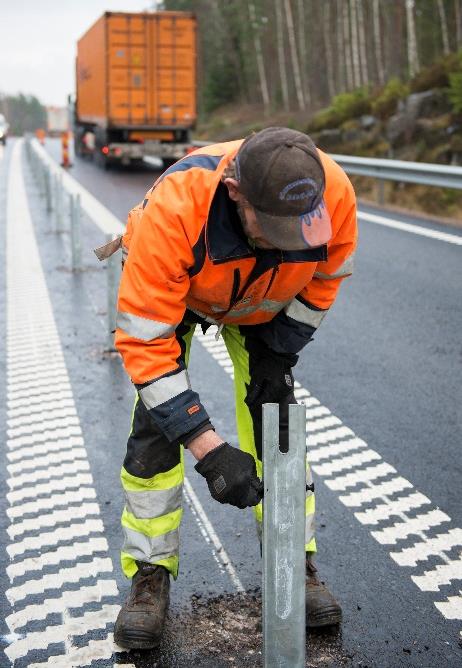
(59, 213)
(113, 278)
(48, 193)
(76, 246)
(284, 479)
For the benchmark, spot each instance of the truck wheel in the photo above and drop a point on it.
(101, 160)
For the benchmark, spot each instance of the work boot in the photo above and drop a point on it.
(321, 607)
(141, 619)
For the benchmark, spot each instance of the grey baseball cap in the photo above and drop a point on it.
(281, 175)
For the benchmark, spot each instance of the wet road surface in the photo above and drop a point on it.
(382, 384)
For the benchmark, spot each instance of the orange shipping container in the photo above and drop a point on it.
(138, 71)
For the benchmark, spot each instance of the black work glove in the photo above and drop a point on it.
(271, 373)
(231, 476)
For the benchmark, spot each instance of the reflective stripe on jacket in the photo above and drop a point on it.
(187, 250)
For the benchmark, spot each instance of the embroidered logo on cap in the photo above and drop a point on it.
(311, 191)
(193, 409)
(316, 226)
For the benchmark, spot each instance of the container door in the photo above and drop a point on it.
(172, 90)
(127, 67)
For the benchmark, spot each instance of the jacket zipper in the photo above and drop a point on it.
(235, 290)
(273, 276)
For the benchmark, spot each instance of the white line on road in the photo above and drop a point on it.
(210, 535)
(48, 457)
(63, 553)
(413, 229)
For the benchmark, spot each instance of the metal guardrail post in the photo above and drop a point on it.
(284, 479)
(113, 279)
(76, 247)
(59, 202)
(380, 192)
(41, 178)
(48, 193)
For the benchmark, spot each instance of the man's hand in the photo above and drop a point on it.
(231, 476)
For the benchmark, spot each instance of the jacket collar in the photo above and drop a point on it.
(226, 241)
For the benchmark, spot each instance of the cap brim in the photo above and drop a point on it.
(310, 230)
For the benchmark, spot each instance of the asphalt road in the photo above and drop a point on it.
(382, 384)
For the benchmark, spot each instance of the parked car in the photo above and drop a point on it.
(3, 129)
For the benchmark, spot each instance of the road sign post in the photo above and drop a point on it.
(284, 479)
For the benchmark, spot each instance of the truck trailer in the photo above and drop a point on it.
(57, 121)
(136, 87)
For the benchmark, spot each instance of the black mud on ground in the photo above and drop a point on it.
(226, 631)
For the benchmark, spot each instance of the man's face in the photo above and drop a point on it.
(247, 215)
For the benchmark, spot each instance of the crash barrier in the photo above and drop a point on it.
(283, 540)
(66, 200)
(384, 169)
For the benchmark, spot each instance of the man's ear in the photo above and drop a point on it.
(233, 188)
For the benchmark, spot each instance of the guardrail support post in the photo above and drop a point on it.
(381, 192)
(76, 246)
(113, 279)
(284, 478)
(48, 193)
(59, 203)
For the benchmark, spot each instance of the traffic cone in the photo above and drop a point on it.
(65, 161)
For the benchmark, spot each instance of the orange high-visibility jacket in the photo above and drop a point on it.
(187, 251)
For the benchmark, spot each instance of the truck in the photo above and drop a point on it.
(57, 121)
(136, 87)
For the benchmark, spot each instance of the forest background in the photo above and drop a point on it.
(349, 72)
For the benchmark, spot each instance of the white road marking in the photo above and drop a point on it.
(346, 462)
(452, 608)
(413, 229)
(70, 482)
(41, 449)
(210, 535)
(67, 601)
(442, 574)
(54, 634)
(37, 404)
(376, 491)
(328, 451)
(83, 656)
(329, 436)
(385, 510)
(321, 423)
(27, 419)
(340, 483)
(73, 530)
(80, 571)
(45, 460)
(35, 427)
(49, 474)
(403, 529)
(53, 518)
(392, 495)
(421, 551)
(62, 553)
(49, 435)
(62, 499)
